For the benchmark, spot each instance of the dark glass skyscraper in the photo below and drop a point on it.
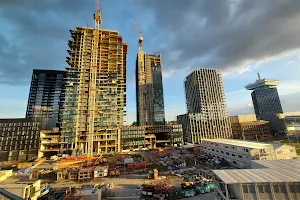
(149, 89)
(46, 97)
(158, 101)
(266, 103)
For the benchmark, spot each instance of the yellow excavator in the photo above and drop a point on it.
(186, 184)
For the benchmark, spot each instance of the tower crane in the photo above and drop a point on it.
(140, 35)
(93, 75)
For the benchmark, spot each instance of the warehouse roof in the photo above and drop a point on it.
(293, 164)
(242, 143)
(257, 176)
(276, 171)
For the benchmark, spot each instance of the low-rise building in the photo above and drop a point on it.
(150, 136)
(50, 143)
(239, 153)
(246, 127)
(292, 124)
(268, 179)
(19, 139)
(22, 187)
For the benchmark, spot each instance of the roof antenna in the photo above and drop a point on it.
(258, 76)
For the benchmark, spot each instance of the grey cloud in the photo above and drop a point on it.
(224, 33)
(34, 34)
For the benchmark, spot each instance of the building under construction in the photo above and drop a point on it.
(149, 89)
(95, 90)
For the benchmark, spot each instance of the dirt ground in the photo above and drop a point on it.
(122, 182)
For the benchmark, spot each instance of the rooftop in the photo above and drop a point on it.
(276, 171)
(293, 164)
(262, 83)
(241, 143)
(257, 175)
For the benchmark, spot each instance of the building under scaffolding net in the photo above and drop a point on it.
(95, 91)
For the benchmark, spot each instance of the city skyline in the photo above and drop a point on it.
(15, 72)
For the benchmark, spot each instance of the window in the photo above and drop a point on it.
(233, 155)
(227, 153)
(222, 151)
(240, 156)
(234, 162)
(226, 147)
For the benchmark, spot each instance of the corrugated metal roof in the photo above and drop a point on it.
(274, 171)
(255, 176)
(293, 164)
(241, 143)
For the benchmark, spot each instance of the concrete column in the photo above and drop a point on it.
(226, 190)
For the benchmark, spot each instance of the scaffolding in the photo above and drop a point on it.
(95, 93)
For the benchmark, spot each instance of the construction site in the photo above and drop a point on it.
(92, 155)
(153, 174)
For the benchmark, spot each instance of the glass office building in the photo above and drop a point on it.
(46, 97)
(149, 89)
(158, 101)
(267, 104)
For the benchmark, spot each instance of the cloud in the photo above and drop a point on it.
(289, 87)
(34, 33)
(224, 34)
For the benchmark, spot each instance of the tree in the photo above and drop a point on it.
(134, 124)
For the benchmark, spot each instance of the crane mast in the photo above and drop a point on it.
(140, 35)
(93, 76)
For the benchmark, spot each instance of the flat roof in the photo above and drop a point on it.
(293, 164)
(262, 83)
(274, 171)
(241, 143)
(264, 175)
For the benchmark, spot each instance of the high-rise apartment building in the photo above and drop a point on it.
(266, 103)
(207, 116)
(95, 91)
(149, 89)
(46, 97)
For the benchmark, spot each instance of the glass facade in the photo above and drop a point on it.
(267, 105)
(158, 104)
(149, 90)
(46, 97)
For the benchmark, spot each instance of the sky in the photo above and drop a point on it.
(239, 37)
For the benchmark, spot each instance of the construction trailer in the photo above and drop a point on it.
(86, 174)
(101, 171)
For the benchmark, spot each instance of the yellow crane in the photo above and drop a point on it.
(93, 76)
(139, 33)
